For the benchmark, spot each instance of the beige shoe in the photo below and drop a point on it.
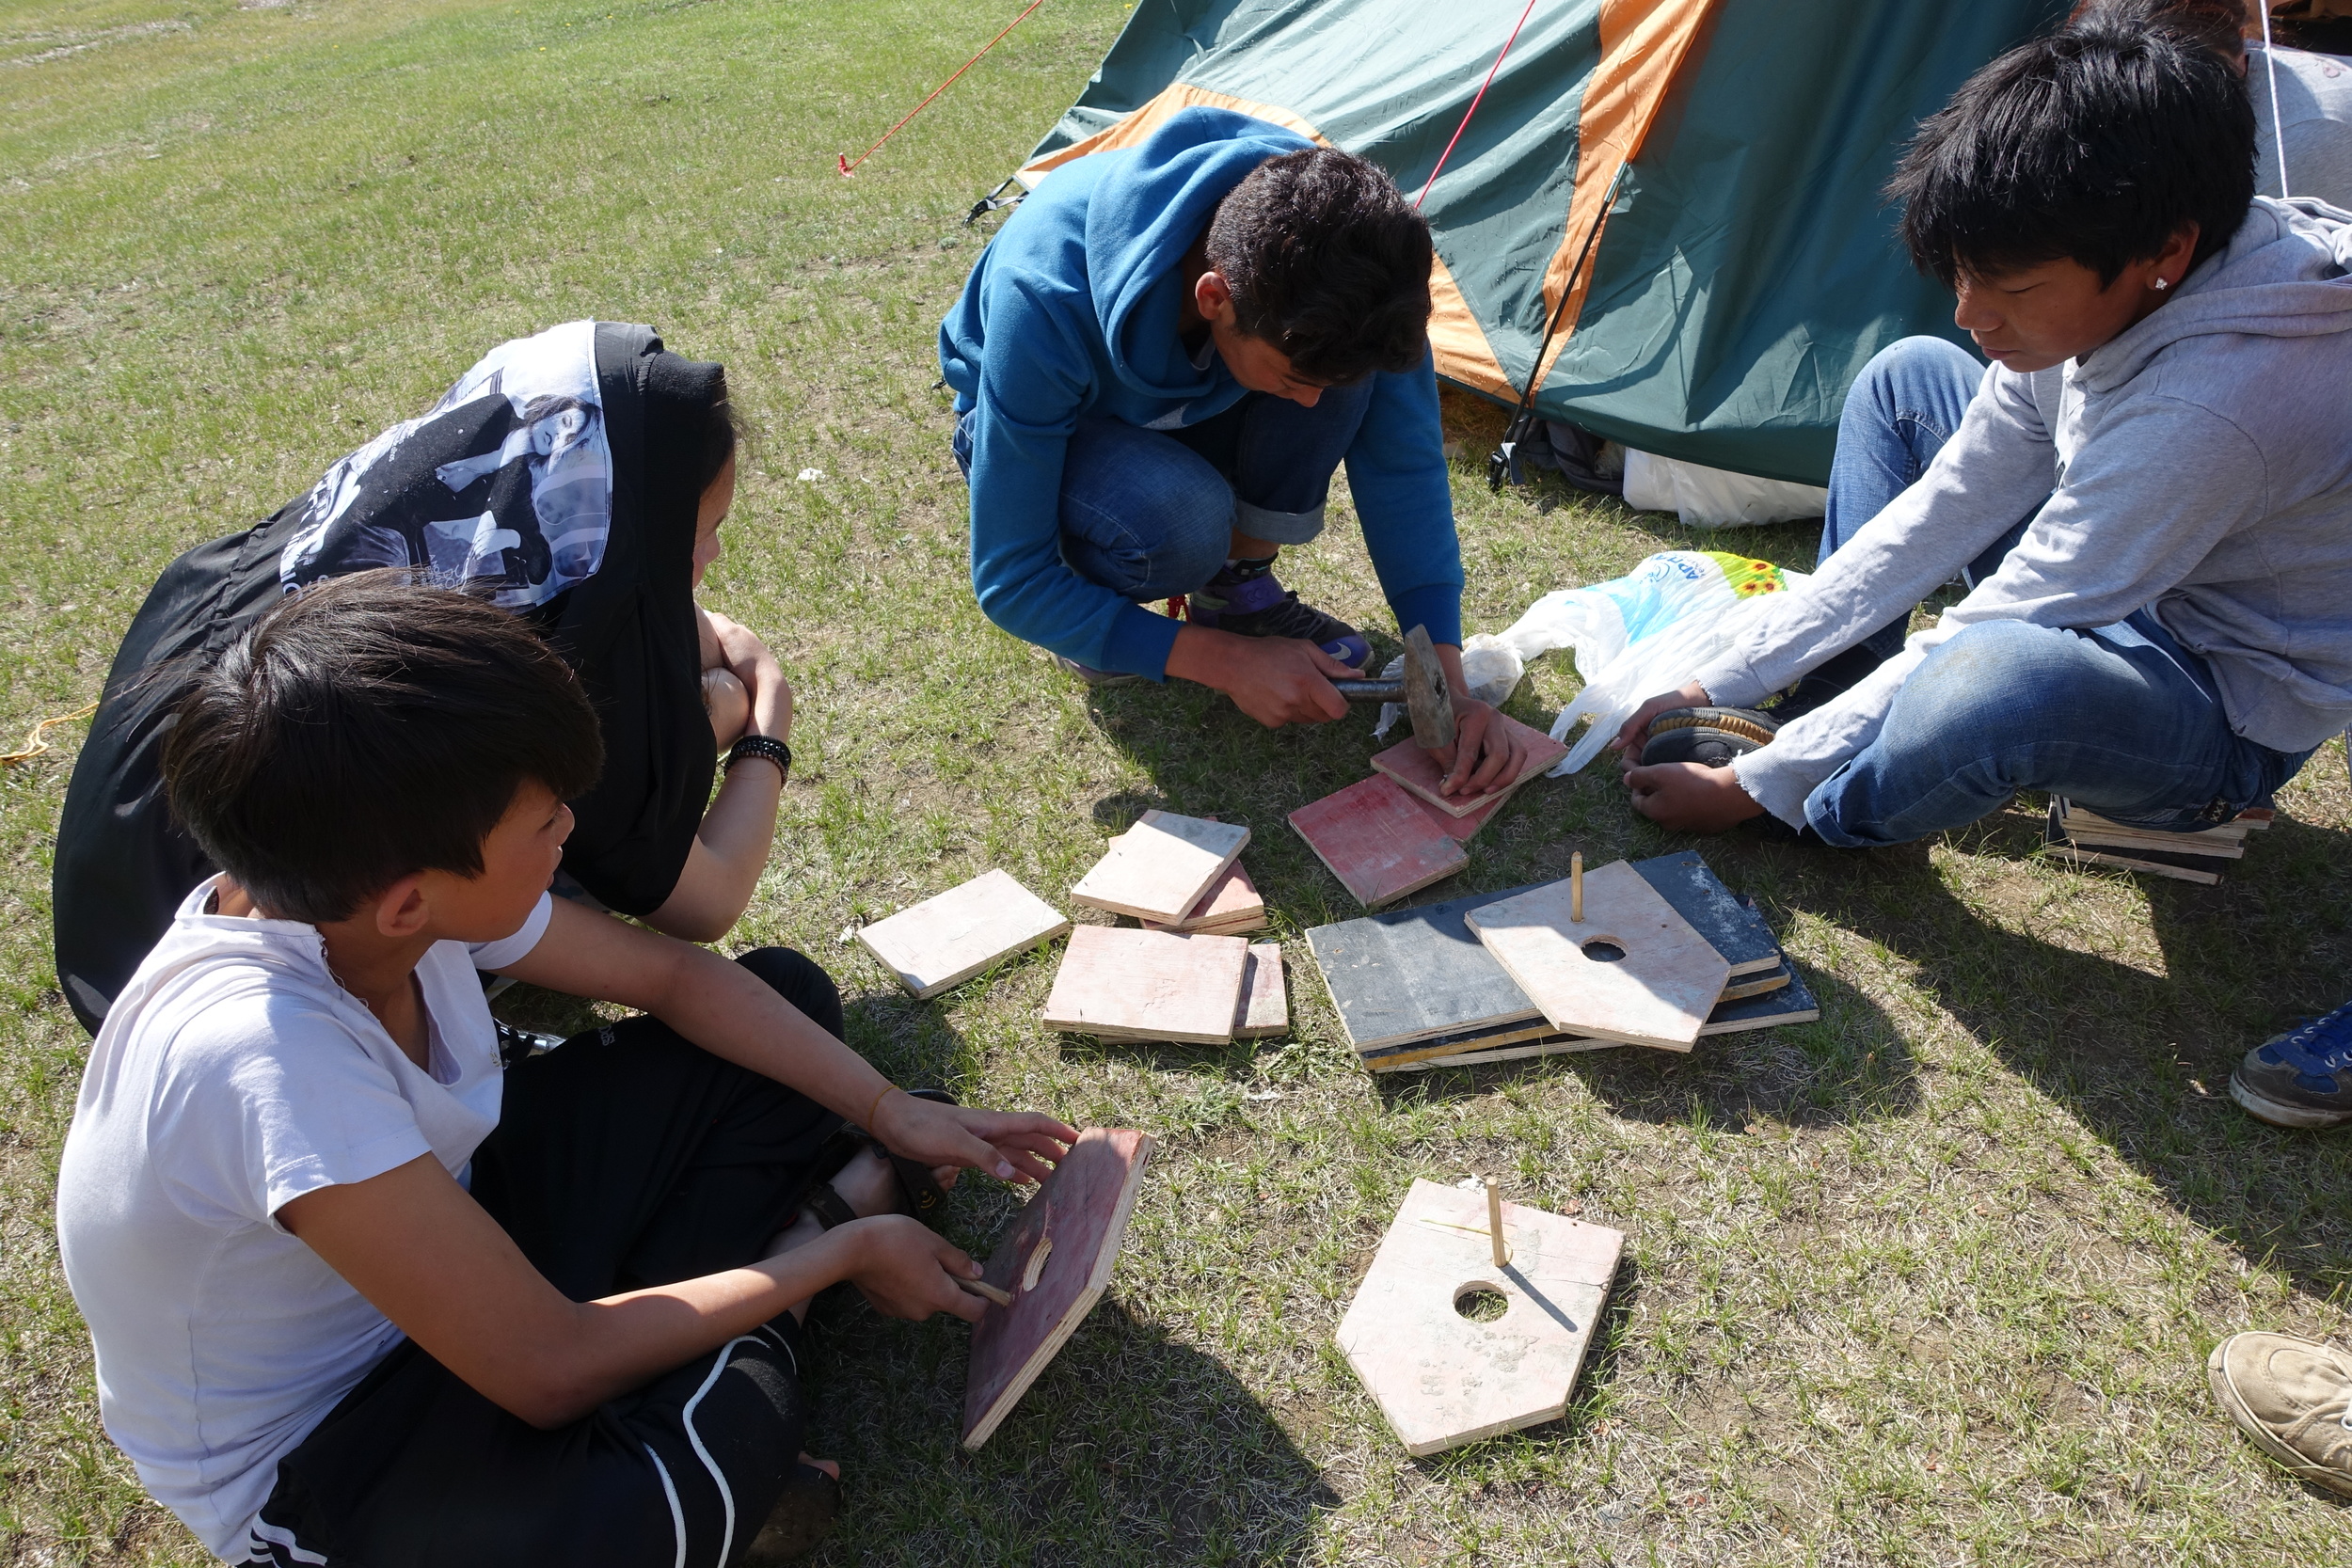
(2294, 1398)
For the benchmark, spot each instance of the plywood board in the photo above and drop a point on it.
(1159, 868)
(1055, 1264)
(1127, 985)
(1418, 770)
(1417, 974)
(2152, 869)
(2075, 819)
(1469, 1045)
(1743, 986)
(2069, 823)
(1232, 906)
(1265, 1007)
(1793, 1002)
(1442, 1380)
(1377, 841)
(1731, 926)
(943, 942)
(2156, 861)
(1461, 829)
(1658, 993)
(2163, 843)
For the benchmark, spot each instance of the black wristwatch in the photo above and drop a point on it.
(761, 746)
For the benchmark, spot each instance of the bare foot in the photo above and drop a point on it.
(831, 1467)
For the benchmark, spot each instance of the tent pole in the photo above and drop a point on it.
(1504, 462)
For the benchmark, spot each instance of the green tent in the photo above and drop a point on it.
(1747, 267)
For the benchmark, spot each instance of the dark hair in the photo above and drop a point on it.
(2093, 145)
(1328, 263)
(722, 430)
(2216, 25)
(366, 728)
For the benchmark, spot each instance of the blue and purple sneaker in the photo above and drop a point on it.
(1244, 600)
(2302, 1078)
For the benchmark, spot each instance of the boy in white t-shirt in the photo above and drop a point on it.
(360, 1293)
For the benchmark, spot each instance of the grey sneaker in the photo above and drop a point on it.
(2302, 1078)
(1711, 737)
(1092, 677)
(2294, 1398)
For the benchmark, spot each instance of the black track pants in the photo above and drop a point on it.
(625, 1159)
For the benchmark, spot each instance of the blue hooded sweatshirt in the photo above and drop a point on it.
(1073, 312)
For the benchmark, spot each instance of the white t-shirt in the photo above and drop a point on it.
(233, 1076)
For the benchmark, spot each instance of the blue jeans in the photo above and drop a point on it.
(2121, 719)
(1152, 513)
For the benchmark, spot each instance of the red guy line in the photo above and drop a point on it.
(843, 158)
(1473, 107)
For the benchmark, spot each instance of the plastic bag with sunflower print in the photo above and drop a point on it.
(1643, 633)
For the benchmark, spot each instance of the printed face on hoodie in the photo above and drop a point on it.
(2032, 318)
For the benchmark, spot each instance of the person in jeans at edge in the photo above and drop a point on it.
(1159, 363)
(2291, 1396)
(2148, 495)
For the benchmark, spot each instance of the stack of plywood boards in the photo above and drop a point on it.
(1424, 987)
(1160, 869)
(1184, 976)
(2190, 857)
(1397, 832)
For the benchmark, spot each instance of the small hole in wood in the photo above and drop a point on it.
(1037, 1264)
(1481, 1304)
(1602, 951)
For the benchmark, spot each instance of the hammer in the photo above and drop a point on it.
(1422, 689)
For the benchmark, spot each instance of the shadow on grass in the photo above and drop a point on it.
(1850, 1065)
(2143, 1059)
(1130, 1449)
(909, 1042)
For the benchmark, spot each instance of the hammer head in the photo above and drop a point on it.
(1426, 696)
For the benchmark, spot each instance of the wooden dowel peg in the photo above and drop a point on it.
(1494, 1223)
(982, 1287)
(1576, 887)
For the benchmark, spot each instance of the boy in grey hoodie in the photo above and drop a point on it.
(2149, 493)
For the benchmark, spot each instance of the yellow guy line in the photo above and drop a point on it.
(38, 741)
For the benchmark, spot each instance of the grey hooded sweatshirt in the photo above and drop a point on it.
(2201, 463)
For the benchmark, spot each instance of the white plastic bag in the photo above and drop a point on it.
(1491, 667)
(1643, 633)
(1715, 498)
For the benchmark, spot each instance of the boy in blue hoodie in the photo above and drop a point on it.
(1158, 364)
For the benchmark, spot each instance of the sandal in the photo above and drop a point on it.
(801, 1518)
(925, 1199)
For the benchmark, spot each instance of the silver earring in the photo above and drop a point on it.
(2162, 284)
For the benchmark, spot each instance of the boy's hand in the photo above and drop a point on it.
(909, 1270)
(1635, 734)
(1008, 1144)
(1276, 680)
(762, 676)
(1486, 752)
(1690, 798)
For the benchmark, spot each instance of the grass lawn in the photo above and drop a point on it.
(1928, 1282)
